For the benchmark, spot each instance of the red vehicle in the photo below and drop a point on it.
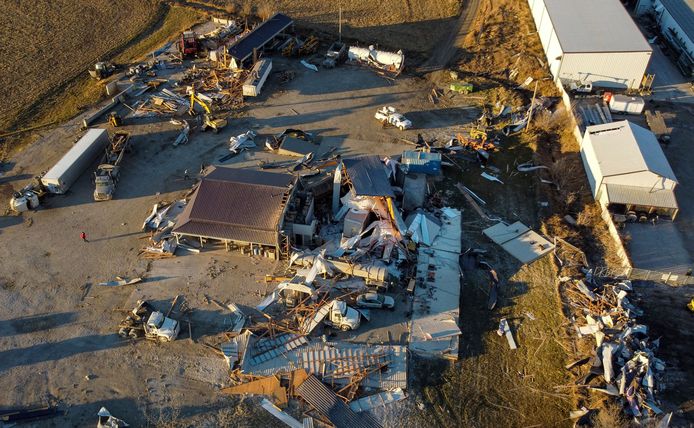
(188, 44)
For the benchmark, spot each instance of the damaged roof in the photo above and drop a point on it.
(260, 35)
(237, 204)
(328, 404)
(368, 176)
(519, 240)
(624, 148)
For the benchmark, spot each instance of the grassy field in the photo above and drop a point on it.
(411, 25)
(53, 85)
(48, 44)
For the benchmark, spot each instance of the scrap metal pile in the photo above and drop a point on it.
(289, 347)
(276, 356)
(160, 222)
(623, 364)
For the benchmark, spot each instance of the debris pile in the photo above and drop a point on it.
(623, 364)
(160, 223)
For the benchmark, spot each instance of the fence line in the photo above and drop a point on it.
(668, 278)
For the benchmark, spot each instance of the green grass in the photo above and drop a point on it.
(493, 385)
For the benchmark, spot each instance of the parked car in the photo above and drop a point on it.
(375, 300)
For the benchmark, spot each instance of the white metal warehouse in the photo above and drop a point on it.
(627, 168)
(591, 41)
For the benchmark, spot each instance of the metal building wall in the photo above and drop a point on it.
(607, 69)
(623, 70)
(591, 164)
(548, 36)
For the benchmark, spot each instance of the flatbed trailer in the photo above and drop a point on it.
(108, 172)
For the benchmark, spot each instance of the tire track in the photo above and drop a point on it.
(441, 56)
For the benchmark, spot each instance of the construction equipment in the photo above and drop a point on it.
(289, 47)
(102, 70)
(188, 44)
(209, 120)
(108, 171)
(309, 46)
(115, 120)
(461, 87)
(143, 320)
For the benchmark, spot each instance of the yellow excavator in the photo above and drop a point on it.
(209, 120)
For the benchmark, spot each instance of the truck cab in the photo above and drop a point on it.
(188, 44)
(105, 182)
(343, 317)
(162, 328)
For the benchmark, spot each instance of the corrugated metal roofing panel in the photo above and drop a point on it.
(632, 195)
(333, 360)
(422, 162)
(243, 48)
(237, 204)
(326, 402)
(368, 176)
(594, 26)
(624, 147)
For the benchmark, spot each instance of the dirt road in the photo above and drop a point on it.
(446, 51)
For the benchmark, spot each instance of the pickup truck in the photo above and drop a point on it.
(390, 116)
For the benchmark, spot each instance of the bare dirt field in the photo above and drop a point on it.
(412, 25)
(58, 341)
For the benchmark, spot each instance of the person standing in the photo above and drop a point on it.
(83, 236)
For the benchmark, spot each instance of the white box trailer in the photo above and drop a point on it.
(68, 169)
(256, 80)
(627, 104)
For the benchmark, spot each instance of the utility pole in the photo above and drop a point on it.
(532, 108)
(340, 26)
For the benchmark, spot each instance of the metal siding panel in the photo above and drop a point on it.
(606, 69)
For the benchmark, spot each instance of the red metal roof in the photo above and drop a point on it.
(237, 204)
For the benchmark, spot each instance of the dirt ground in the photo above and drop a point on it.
(412, 25)
(59, 325)
(58, 341)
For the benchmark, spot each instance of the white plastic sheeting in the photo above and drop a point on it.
(242, 141)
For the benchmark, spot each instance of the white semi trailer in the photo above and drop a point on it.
(68, 169)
